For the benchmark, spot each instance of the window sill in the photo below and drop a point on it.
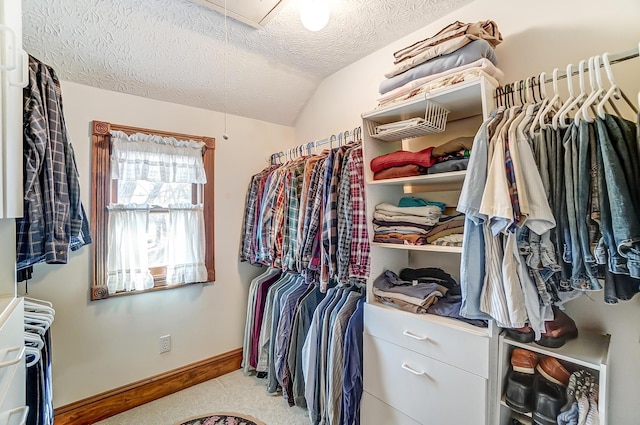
(101, 293)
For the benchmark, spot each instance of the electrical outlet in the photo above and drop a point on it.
(165, 343)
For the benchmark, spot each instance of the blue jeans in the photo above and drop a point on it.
(620, 183)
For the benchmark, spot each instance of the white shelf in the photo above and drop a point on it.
(426, 248)
(463, 100)
(588, 350)
(453, 177)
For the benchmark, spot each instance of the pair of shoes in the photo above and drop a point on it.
(523, 335)
(549, 399)
(559, 330)
(527, 391)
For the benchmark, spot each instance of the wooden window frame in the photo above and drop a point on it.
(101, 192)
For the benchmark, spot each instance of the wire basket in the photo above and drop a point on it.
(435, 121)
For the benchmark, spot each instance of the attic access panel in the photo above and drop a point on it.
(255, 13)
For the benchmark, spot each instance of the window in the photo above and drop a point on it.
(152, 210)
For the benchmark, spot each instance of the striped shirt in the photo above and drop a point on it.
(359, 259)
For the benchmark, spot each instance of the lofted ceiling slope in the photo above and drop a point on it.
(174, 50)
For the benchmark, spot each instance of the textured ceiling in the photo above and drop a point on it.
(173, 50)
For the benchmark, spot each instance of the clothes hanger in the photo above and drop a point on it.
(543, 103)
(30, 351)
(33, 328)
(37, 301)
(614, 90)
(596, 91)
(33, 339)
(579, 98)
(555, 120)
(555, 102)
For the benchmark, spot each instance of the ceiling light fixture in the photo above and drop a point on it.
(314, 14)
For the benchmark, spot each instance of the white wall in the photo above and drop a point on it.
(538, 36)
(101, 345)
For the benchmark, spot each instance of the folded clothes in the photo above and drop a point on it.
(428, 211)
(399, 238)
(412, 201)
(410, 170)
(388, 216)
(405, 230)
(430, 87)
(461, 154)
(455, 222)
(449, 166)
(389, 281)
(449, 306)
(451, 38)
(402, 305)
(422, 158)
(481, 64)
(398, 125)
(420, 301)
(430, 274)
(449, 240)
(447, 232)
(473, 51)
(381, 223)
(453, 145)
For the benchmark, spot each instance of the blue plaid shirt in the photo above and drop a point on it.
(54, 218)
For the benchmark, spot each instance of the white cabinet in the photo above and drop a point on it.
(14, 69)
(422, 368)
(590, 351)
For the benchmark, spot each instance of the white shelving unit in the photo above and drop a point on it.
(417, 367)
(590, 351)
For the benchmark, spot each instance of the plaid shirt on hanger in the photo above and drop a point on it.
(359, 260)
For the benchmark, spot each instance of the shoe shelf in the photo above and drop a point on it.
(589, 350)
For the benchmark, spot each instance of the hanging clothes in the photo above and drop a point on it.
(54, 219)
(541, 235)
(306, 221)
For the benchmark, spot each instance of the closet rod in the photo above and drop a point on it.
(339, 138)
(613, 59)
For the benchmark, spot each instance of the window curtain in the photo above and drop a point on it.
(186, 248)
(127, 263)
(143, 157)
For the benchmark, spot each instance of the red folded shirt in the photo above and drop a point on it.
(400, 158)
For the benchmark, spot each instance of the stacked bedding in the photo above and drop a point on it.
(455, 54)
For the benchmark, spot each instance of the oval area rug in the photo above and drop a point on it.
(222, 418)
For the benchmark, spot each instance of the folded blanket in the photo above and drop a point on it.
(483, 64)
(399, 158)
(458, 32)
(410, 170)
(470, 53)
(432, 86)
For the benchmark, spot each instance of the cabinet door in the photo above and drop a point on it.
(11, 83)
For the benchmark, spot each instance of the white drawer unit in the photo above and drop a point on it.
(442, 339)
(375, 412)
(426, 390)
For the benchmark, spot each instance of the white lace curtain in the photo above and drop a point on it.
(160, 160)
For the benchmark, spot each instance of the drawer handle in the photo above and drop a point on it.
(24, 410)
(414, 336)
(412, 370)
(19, 350)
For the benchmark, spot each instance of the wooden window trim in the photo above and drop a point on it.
(101, 192)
